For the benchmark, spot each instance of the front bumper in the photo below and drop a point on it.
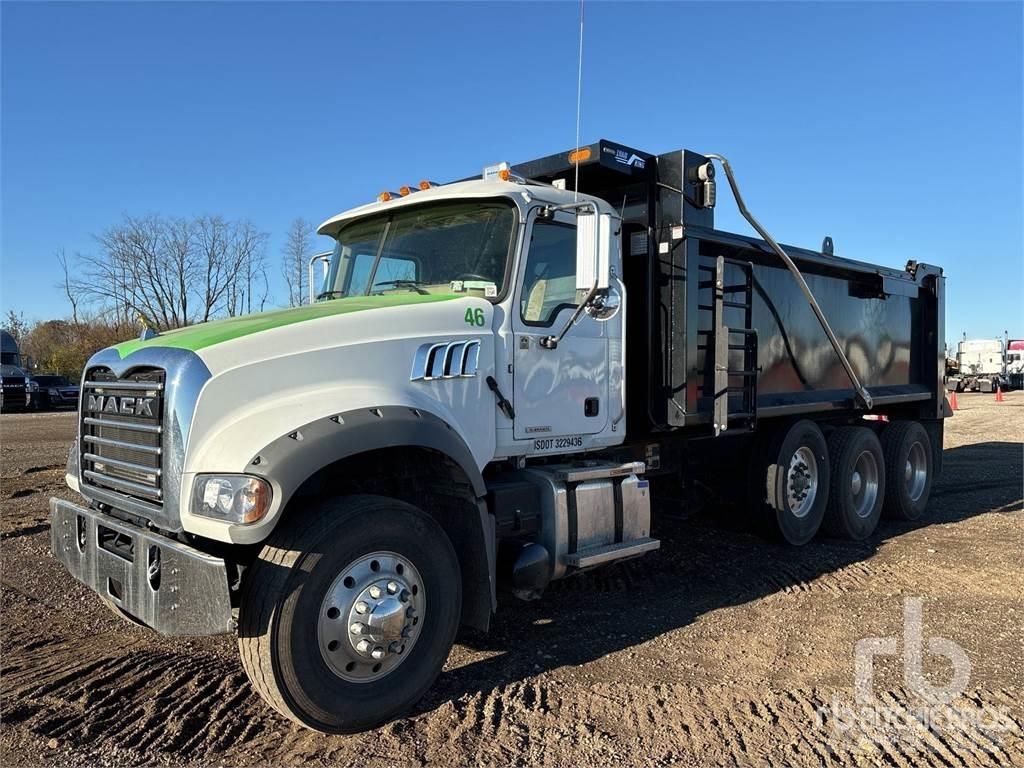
(171, 587)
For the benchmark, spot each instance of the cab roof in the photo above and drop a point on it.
(473, 188)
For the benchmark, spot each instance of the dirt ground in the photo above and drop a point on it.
(720, 648)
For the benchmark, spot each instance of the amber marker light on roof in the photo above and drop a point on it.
(505, 174)
(579, 155)
(383, 197)
(425, 185)
(406, 190)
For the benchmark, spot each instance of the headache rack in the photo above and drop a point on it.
(122, 432)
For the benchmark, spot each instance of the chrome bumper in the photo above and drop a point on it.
(171, 587)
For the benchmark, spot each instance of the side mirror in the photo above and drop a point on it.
(325, 261)
(593, 242)
(593, 270)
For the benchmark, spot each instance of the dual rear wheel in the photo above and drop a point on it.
(804, 482)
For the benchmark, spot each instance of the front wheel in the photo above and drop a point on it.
(349, 612)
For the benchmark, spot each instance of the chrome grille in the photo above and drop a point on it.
(122, 432)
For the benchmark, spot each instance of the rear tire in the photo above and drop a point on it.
(347, 572)
(791, 483)
(858, 483)
(908, 468)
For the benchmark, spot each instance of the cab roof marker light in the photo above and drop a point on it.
(491, 172)
(385, 196)
(425, 185)
(406, 190)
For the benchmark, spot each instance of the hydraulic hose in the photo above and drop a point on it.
(862, 393)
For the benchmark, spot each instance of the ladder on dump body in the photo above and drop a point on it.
(717, 344)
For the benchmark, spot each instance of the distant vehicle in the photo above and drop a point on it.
(54, 392)
(1015, 363)
(15, 388)
(982, 366)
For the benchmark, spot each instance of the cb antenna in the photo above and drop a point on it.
(579, 98)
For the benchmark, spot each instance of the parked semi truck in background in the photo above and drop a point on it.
(1015, 363)
(16, 387)
(981, 366)
(496, 376)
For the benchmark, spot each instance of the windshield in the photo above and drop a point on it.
(452, 247)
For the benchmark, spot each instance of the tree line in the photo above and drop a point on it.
(161, 272)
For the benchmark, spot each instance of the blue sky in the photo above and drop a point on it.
(894, 128)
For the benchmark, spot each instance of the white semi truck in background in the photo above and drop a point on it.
(497, 375)
(981, 366)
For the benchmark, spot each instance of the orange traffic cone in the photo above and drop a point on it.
(999, 394)
(952, 401)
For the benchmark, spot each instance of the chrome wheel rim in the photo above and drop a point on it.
(864, 484)
(371, 617)
(915, 473)
(802, 481)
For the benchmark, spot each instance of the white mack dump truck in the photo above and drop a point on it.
(495, 374)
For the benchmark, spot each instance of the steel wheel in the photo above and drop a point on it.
(915, 473)
(802, 481)
(371, 617)
(864, 484)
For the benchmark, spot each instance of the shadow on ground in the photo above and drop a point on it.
(704, 564)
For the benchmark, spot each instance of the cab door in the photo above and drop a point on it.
(562, 392)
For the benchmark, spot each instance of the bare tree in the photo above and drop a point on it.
(62, 259)
(298, 248)
(170, 272)
(250, 246)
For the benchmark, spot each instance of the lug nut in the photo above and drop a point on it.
(392, 587)
(375, 592)
(362, 607)
(363, 646)
(404, 597)
(357, 629)
(378, 653)
(395, 647)
(410, 612)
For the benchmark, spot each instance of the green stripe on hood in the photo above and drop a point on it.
(195, 337)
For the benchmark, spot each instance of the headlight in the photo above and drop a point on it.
(52, 392)
(234, 498)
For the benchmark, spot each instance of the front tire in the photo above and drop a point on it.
(349, 612)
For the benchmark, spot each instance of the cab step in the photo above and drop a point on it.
(587, 558)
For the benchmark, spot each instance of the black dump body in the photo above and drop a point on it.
(714, 357)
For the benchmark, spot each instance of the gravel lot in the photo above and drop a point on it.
(719, 649)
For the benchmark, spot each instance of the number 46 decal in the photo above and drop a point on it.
(475, 317)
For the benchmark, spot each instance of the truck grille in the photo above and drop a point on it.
(122, 432)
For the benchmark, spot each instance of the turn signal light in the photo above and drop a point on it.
(579, 155)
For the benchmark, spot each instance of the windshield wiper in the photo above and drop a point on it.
(330, 295)
(414, 284)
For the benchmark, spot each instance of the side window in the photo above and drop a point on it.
(549, 283)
